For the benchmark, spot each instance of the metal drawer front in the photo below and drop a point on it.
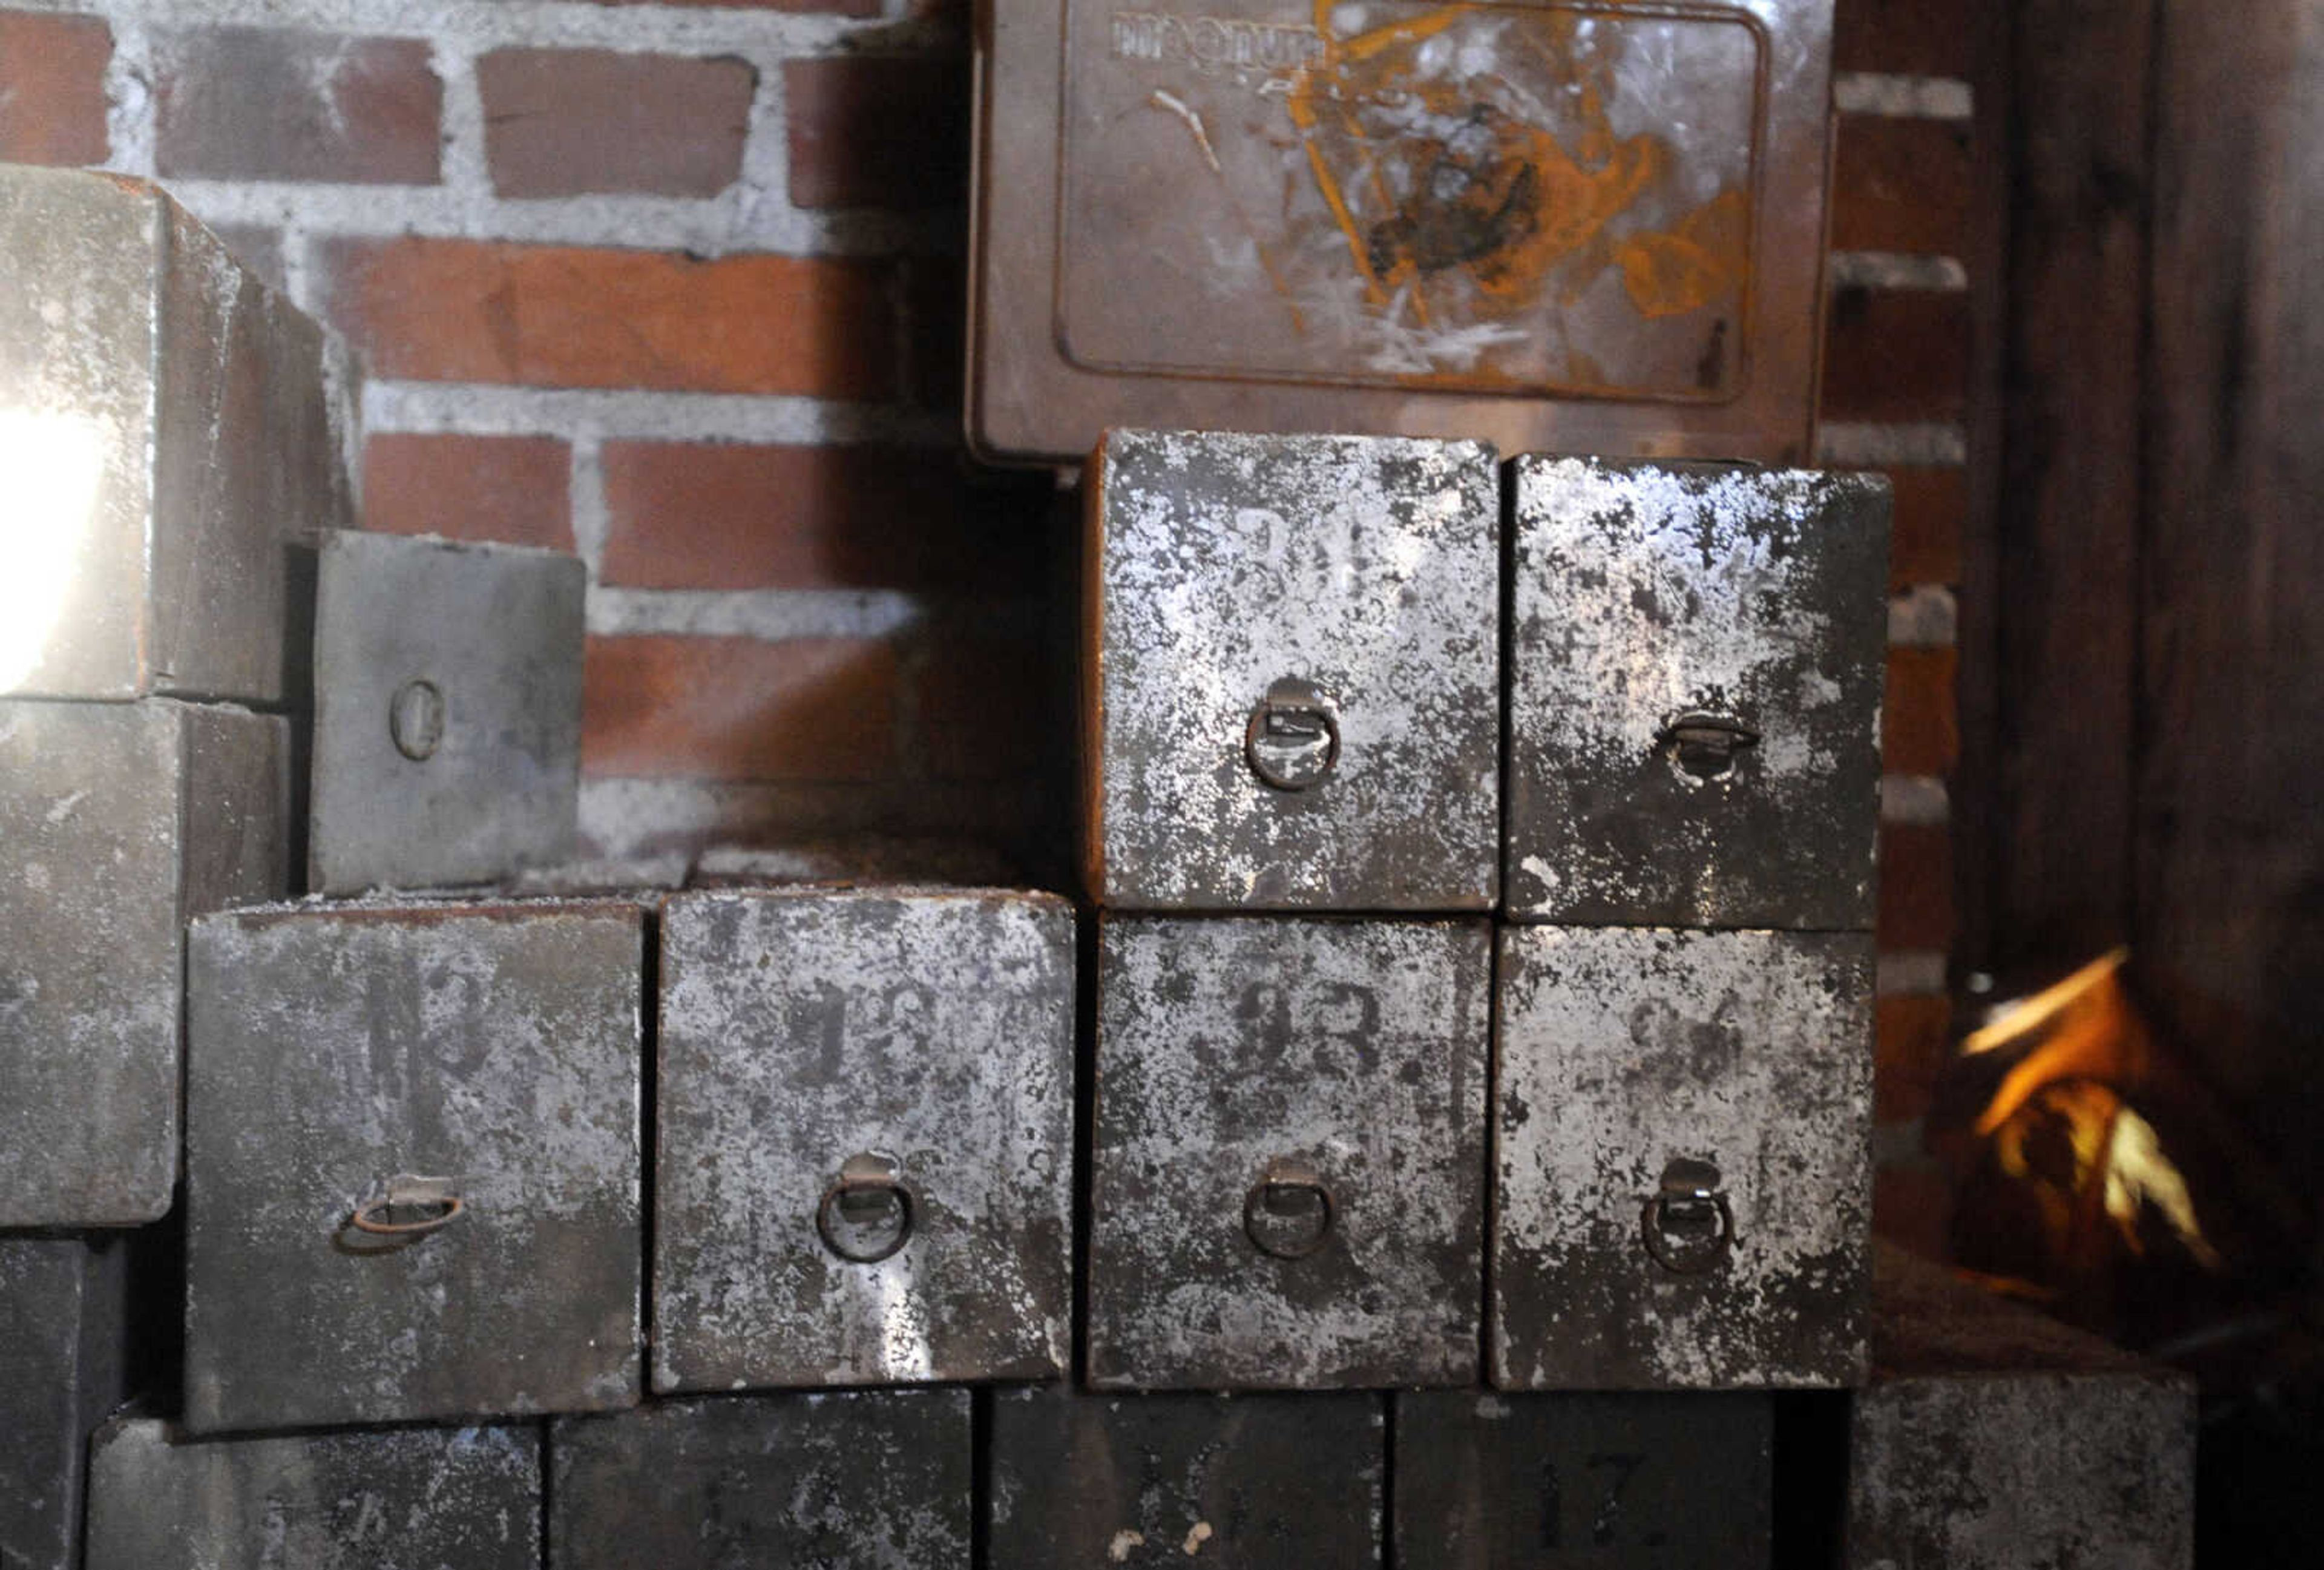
(117, 821)
(1683, 1158)
(1258, 1483)
(878, 1480)
(1286, 1187)
(411, 1499)
(1637, 1481)
(63, 1302)
(448, 712)
(412, 1163)
(1695, 672)
(168, 437)
(866, 1139)
(1296, 700)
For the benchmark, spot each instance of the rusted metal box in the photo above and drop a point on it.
(1993, 1438)
(412, 1157)
(868, 1478)
(864, 1142)
(118, 821)
(168, 435)
(403, 1499)
(448, 712)
(1259, 1482)
(1682, 1158)
(1590, 228)
(1287, 1175)
(1634, 1481)
(63, 1347)
(1695, 668)
(1294, 673)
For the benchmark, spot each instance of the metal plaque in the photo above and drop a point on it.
(1992, 1437)
(170, 444)
(1695, 667)
(1635, 1480)
(864, 1146)
(117, 822)
(1682, 1158)
(1286, 1185)
(1258, 1483)
(62, 1351)
(878, 1480)
(405, 1499)
(412, 1162)
(448, 712)
(1588, 228)
(1293, 678)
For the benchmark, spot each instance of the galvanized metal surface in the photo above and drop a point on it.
(1993, 1437)
(929, 1033)
(1242, 1065)
(1638, 1480)
(869, 1480)
(448, 712)
(62, 1346)
(408, 1498)
(1582, 228)
(117, 821)
(1254, 1482)
(169, 442)
(1622, 1052)
(338, 1054)
(1651, 600)
(1367, 569)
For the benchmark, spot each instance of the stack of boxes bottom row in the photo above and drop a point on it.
(1473, 1125)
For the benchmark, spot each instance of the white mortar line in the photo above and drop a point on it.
(470, 408)
(1863, 444)
(1923, 617)
(1902, 97)
(584, 502)
(1915, 973)
(1915, 798)
(769, 615)
(1896, 270)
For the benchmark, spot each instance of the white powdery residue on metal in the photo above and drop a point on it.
(1622, 1049)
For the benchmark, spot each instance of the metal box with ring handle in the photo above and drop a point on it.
(448, 712)
(1261, 1482)
(1293, 697)
(864, 1168)
(346, 1501)
(1286, 1185)
(1695, 664)
(1630, 1480)
(1682, 1158)
(840, 1477)
(414, 1162)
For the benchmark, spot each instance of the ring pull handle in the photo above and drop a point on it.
(1289, 1210)
(1705, 744)
(866, 1193)
(1688, 1226)
(387, 1216)
(1292, 739)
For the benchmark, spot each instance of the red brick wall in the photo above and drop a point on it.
(676, 286)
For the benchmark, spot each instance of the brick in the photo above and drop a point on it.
(248, 103)
(1913, 1207)
(508, 488)
(1924, 542)
(1922, 38)
(464, 311)
(1920, 720)
(1916, 886)
(560, 122)
(259, 247)
(877, 130)
(693, 515)
(1896, 355)
(1901, 185)
(735, 709)
(1915, 1043)
(983, 703)
(52, 88)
